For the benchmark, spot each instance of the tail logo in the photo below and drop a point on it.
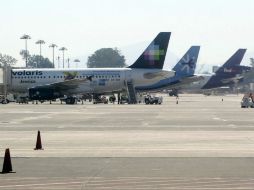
(153, 53)
(226, 70)
(188, 63)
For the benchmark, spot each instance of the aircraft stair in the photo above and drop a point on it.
(131, 93)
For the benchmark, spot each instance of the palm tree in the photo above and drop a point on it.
(63, 49)
(53, 46)
(40, 42)
(25, 37)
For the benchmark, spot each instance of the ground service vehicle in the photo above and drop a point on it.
(153, 99)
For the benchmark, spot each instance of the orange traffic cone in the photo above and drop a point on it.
(38, 142)
(7, 166)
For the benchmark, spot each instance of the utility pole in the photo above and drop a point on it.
(25, 37)
(53, 46)
(40, 42)
(63, 49)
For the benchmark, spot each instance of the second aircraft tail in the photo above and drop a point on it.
(187, 65)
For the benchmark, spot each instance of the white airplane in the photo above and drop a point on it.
(49, 84)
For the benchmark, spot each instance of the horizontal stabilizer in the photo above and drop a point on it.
(159, 75)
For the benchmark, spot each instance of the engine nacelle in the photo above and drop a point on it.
(43, 94)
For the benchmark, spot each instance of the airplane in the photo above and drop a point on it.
(230, 73)
(49, 84)
(184, 74)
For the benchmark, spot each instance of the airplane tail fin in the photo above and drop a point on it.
(187, 65)
(154, 55)
(226, 74)
(235, 60)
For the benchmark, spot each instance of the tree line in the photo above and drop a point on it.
(102, 58)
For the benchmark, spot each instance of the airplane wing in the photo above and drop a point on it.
(234, 80)
(65, 85)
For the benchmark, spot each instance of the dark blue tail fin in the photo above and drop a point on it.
(187, 65)
(226, 74)
(154, 55)
(235, 60)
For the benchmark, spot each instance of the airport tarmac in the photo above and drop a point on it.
(200, 143)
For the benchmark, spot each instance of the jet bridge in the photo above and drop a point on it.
(5, 80)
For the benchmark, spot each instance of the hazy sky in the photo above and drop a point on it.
(83, 26)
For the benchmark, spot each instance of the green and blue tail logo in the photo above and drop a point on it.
(154, 55)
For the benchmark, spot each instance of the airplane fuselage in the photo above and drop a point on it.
(104, 80)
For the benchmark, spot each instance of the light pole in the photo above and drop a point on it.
(53, 46)
(25, 37)
(40, 42)
(77, 61)
(63, 49)
(68, 61)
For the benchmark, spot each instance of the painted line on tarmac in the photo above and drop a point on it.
(41, 184)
